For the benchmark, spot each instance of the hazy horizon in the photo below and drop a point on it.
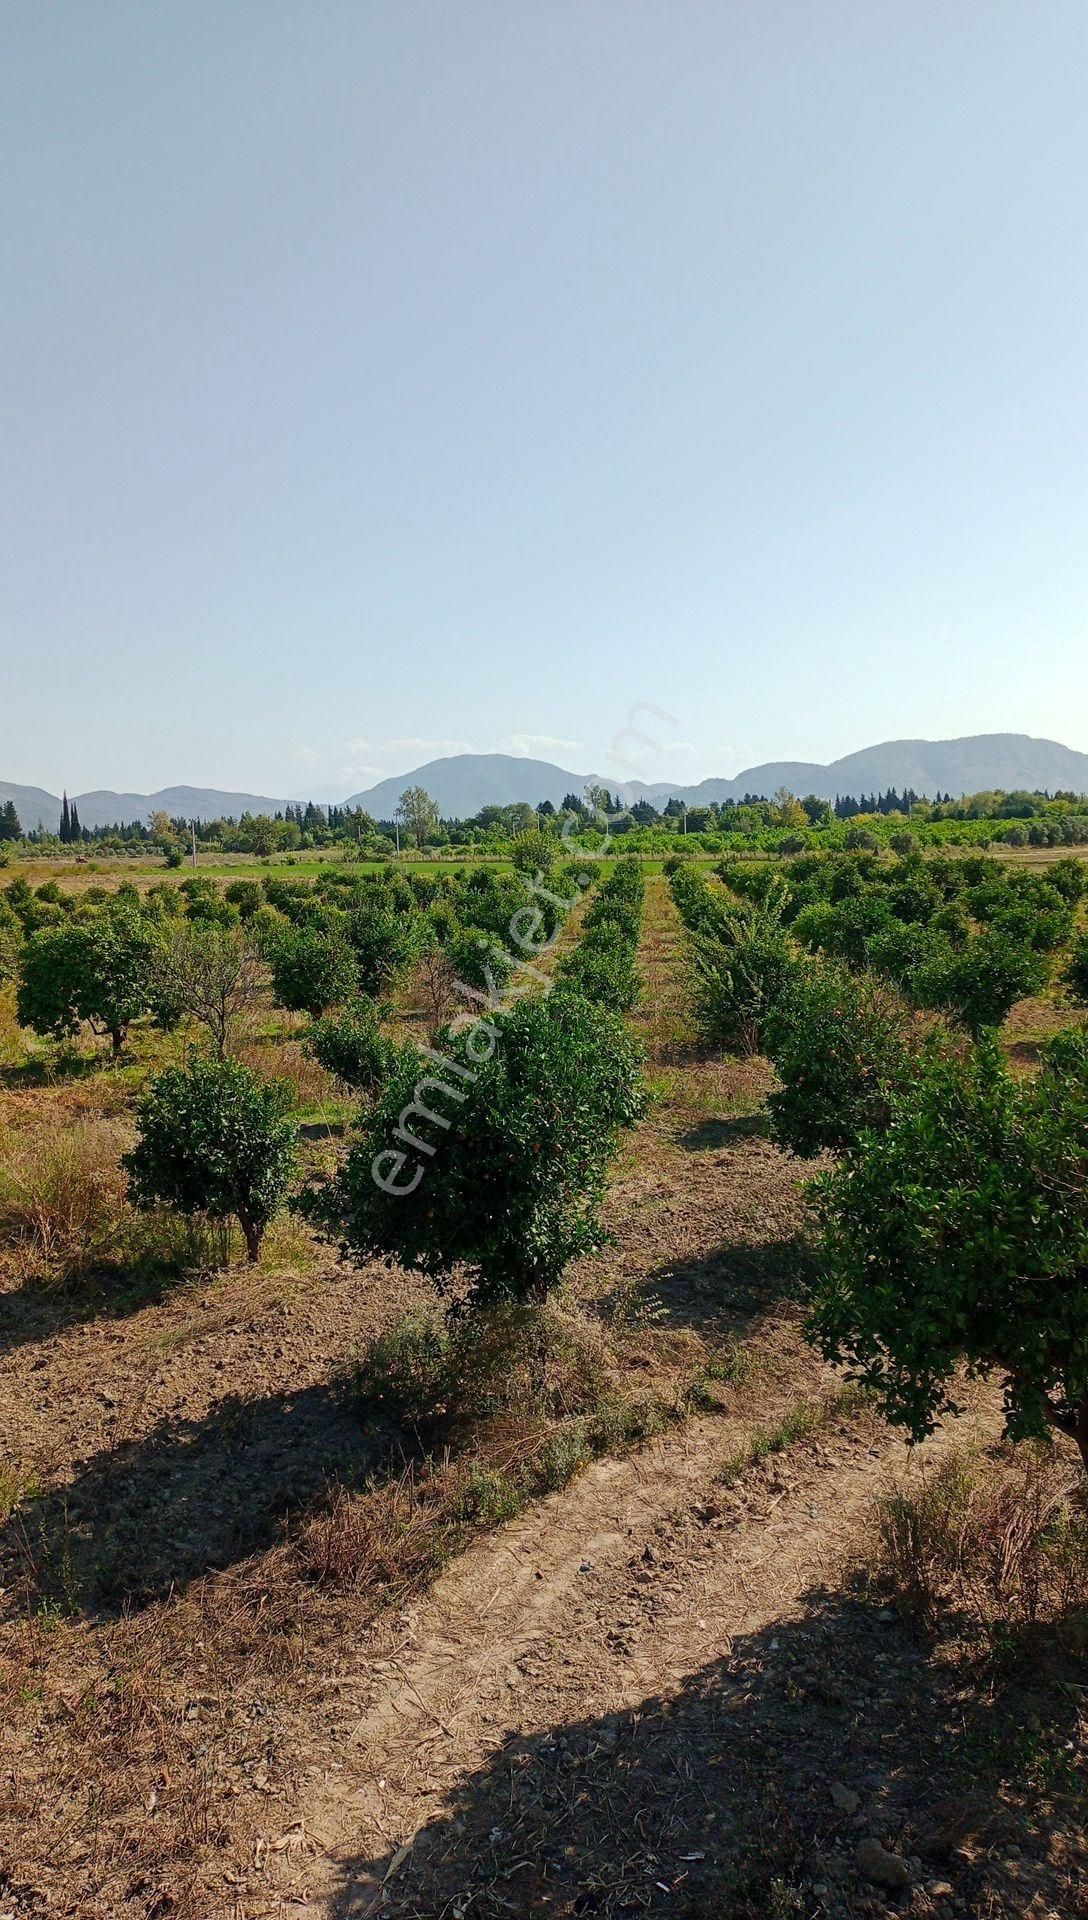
(388, 383)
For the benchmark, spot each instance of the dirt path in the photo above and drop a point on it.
(584, 1611)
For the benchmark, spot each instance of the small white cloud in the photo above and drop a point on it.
(685, 747)
(732, 760)
(414, 747)
(527, 746)
(309, 756)
(367, 761)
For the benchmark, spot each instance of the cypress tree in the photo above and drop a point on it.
(65, 822)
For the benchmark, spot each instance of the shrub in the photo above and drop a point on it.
(480, 962)
(448, 1375)
(351, 1045)
(64, 1208)
(214, 1139)
(958, 1235)
(11, 940)
(488, 1164)
(385, 941)
(838, 1046)
(738, 972)
(312, 969)
(981, 981)
(1076, 970)
(601, 967)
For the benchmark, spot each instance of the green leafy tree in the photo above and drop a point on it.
(211, 973)
(534, 851)
(205, 903)
(487, 1160)
(418, 814)
(101, 971)
(312, 968)
(9, 822)
(244, 896)
(602, 967)
(213, 1138)
(958, 1236)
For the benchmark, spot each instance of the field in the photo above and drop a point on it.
(678, 1633)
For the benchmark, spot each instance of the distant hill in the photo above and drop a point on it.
(103, 808)
(33, 805)
(465, 782)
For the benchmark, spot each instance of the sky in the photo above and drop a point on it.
(385, 380)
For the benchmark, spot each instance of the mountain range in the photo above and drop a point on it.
(465, 782)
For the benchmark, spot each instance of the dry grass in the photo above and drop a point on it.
(312, 1088)
(63, 1206)
(495, 1445)
(991, 1542)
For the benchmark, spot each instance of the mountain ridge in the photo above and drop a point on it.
(463, 783)
(973, 763)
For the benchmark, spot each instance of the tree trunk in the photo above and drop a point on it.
(1081, 1435)
(254, 1235)
(117, 1037)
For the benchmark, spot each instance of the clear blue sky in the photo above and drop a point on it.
(383, 379)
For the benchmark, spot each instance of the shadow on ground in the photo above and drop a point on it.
(37, 1311)
(189, 1497)
(729, 1288)
(718, 1802)
(724, 1133)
